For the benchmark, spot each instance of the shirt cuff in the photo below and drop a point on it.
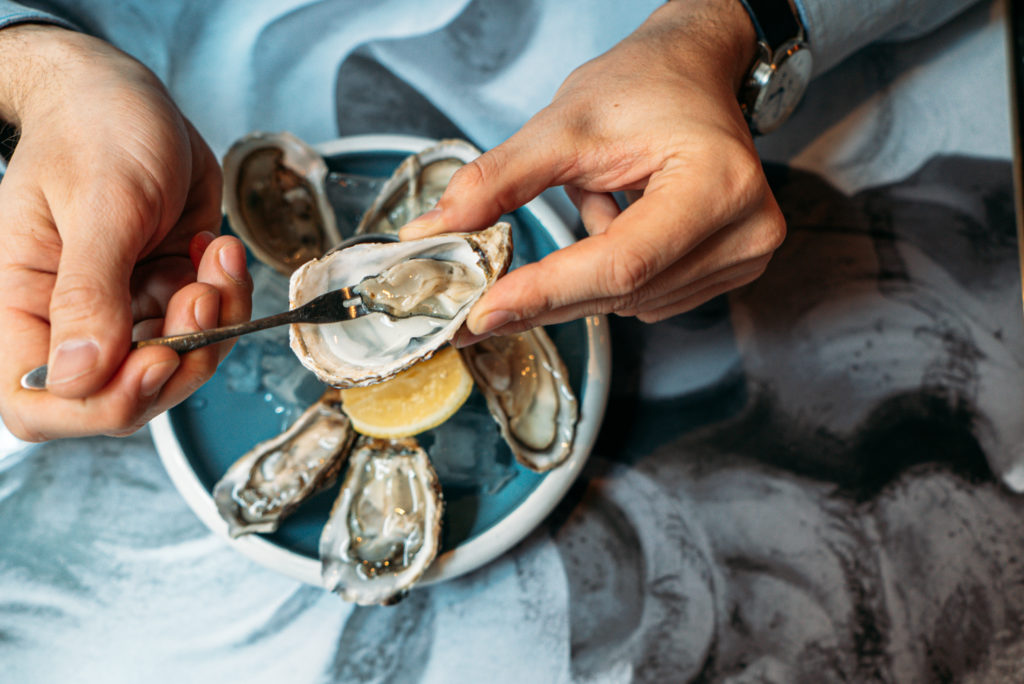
(12, 13)
(838, 28)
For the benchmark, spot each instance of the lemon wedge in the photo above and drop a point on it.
(417, 399)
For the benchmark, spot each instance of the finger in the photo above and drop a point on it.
(753, 267)
(695, 299)
(597, 209)
(197, 247)
(90, 307)
(194, 307)
(155, 281)
(722, 256)
(669, 300)
(613, 263)
(222, 296)
(152, 379)
(148, 329)
(691, 299)
(642, 242)
(224, 266)
(119, 406)
(497, 182)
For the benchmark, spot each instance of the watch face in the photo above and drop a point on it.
(784, 87)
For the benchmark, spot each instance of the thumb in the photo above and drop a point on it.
(90, 310)
(497, 182)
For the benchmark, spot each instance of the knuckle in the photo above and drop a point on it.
(629, 270)
(767, 234)
(775, 232)
(743, 177)
(475, 173)
(627, 303)
(136, 210)
(76, 297)
(482, 177)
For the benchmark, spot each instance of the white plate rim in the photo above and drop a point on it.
(495, 540)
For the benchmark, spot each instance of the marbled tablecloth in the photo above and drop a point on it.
(796, 483)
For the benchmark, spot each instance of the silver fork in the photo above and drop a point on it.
(337, 305)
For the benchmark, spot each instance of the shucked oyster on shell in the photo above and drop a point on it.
(526, 385)
(385, 527)
(274, 198)
(426, 287)
(262, 487)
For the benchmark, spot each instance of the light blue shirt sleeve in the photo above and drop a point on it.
(13, 13)
(837, 29)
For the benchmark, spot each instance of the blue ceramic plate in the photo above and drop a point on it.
(491, 502)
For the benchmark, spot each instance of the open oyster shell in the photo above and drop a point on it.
(275, 200)
(526, 386)
(416, 186)
(270, 480)
(384, 529)
(378, 345)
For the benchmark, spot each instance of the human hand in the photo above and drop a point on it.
(658, 114)
(107, 215)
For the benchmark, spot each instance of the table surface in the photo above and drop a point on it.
(807, 480)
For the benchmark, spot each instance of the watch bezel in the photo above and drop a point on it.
(767, 67)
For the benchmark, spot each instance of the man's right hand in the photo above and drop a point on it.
(108, 189)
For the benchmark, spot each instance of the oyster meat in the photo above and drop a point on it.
(526, 386)
(419, 292)
(421, 287)
(384, 529)
(416, 186)
(270, 480)
(275, 200)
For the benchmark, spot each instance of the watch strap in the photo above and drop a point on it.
(775, 21)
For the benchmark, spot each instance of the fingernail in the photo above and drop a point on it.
(156, 376)
(492, 321)
(464, 338)
(207, 311)
(74, 358)
(232, 260)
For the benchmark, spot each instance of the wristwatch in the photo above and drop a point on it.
(781, 69)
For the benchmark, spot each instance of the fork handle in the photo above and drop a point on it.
(35, 379)
(186, 342)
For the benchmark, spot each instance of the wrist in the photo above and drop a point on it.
(44, 64)
(27, 52)
(721, 30)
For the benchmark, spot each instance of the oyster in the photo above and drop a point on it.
(275, 201)
(443, 276)
(416, 186)
(384, 529)
(275, 476)
(527, 389)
